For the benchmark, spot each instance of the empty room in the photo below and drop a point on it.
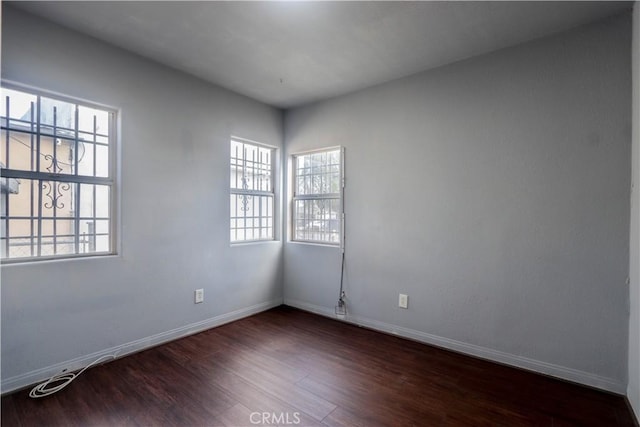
(320, 213)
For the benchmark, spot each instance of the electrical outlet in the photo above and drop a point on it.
(403, 301)
(199, 296)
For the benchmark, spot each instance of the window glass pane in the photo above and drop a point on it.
(102, 226)
(87, 201)
(65, 247)
(93, 121)
(251, 217)
(87, 238)
(40, 216)
(57, 115)
(87, 226)
(102, 244)
(46, 243)
(90, 242)
(56, 155)
(19, 228)
(85, 158)
(17, 150)
(250, 167)
(56, 199)
(317, 216)
(64, 237)
(251, 210)
(21, 105)
(57, 219)
(19, 197)
(19, 247)
(62, 146)
(317, 220)
(102, 201)
(318, 173)
(102, 161)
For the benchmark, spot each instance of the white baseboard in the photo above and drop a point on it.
(550, 369)
(23, 380)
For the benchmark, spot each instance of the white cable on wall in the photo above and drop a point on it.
(65, 378)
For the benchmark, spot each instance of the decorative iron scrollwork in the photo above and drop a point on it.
(54, 193)
(244, 198)
(54, 167)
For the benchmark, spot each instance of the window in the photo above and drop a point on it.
(317, 196)
(57, 178)
(252, 195)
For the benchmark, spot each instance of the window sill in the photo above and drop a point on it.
(321, 244)
(14, 262)
(253, 242)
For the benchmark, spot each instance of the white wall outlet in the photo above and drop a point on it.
(199, 296)
(403, 301)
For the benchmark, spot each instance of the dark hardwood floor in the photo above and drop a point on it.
(288, 367)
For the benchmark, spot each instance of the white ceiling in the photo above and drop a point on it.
(291, 53)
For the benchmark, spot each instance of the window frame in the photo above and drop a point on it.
(318, 196)
(249, 193)
(111, 180)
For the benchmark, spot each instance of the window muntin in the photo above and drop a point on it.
(57, 180)
(252, 192)
(317, 197)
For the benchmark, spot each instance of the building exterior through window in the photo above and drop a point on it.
(252, 200)
(57, 177)
(317, 196)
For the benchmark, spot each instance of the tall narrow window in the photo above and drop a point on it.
(252, 194)
(57, 177)
(317, 198)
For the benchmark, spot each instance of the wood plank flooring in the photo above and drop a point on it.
(288, 367)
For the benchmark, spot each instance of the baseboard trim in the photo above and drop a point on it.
(633, 413)
(24, 380)
(562, 372)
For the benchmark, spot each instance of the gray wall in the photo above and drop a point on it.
(495, 193)
(633, 390)
(174, 211)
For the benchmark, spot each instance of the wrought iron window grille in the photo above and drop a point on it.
(252, 191)
(57, 176)
(318, 181)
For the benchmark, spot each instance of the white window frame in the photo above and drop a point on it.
(246, 196)
(7, 174)
(339, 196)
